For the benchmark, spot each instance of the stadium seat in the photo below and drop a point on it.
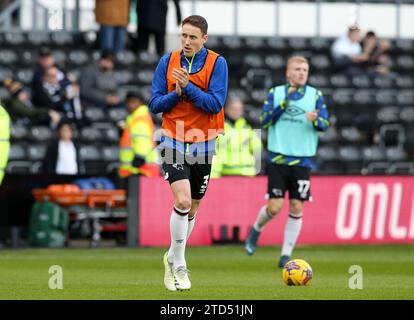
(349, 153)
(320, 44)
(17, 152)
(253, 60)
(275, 61)
(392, 135)
(145, 76)
(405, 97)
(123, 76)
(297, 43)
(126, 58)
(340, 81)
(60, 57)
(147, 59)
(25, 76)
(276, 43)
(342, 97)
(253, 116)
(319, 80)
(90, 134)
(320, 62)
(396, 154)
(385, 97)
(363, 97)
(61, 38)
(405, 62)
(388, 115)
(78, 57)
(404, 81)
(94, 114)
(407, 114)
(373, 154)
(8, 57)
(40, 133)
(27, 57)
(14, 38)
(351, 134)
(110, 153)
(90, 153)
(36, 152)
(38, 38)
(361, 81)
(117, 114)
(232, 42)
(327, 153)
(18, 132)
(329, 136)
(258, 79)
(384, 82)
(19, 167)
(253, 43)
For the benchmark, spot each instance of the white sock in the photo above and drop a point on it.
(292, 230)
(262, 218)
(178, 229)
(191, 224)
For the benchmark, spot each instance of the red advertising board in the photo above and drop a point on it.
(344, 209)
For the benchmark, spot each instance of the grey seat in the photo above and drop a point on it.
(110, 153)
(407, 114)
(377, 168)
(327, 153)
(404, 168)
(145, 76)
(117, 114)
(349, 153)
(90, 153)
(40, 133)
(17, 152)
(351, 134)
(123, 76)
(396, 154)
(373, 154)
(90, 134)
(388, 114)
(37, 152)
(274, 61)
(18, 132)
(94, 114)
(405, 97)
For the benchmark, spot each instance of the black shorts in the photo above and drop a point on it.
(294, 179)
(197, 172)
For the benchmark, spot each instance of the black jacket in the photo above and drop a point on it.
(51, 157)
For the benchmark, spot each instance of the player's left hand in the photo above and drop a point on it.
(181, 75)
(312, 116)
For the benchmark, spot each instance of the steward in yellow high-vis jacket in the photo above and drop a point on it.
(137, 153)
(4, 141)
(239, 148)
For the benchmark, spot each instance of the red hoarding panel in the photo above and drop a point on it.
(343, 210)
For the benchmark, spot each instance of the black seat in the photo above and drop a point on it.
(407, 114)
(392, 135)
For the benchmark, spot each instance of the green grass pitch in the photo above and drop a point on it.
(217, 272)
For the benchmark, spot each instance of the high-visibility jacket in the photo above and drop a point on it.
(237, 150)
(4, 141)
(137, 139)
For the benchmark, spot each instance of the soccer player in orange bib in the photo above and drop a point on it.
(190, 89)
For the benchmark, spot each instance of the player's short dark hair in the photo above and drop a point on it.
(44, 52)
(108, 55)
(135, 95)
(197, 21)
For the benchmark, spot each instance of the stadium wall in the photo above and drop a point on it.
(344, 210)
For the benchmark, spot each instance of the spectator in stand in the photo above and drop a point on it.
(22, 110)
(45, 60)
(62, 155)
(98, 84)
(347, 54)
(113, 17)
(375, 49)
(58, 93)
(152, 19)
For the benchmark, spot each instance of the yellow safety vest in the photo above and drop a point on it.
(137, 139)
(4, 141)
(236, 150)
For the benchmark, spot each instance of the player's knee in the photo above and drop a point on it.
(274, 207)
(183, 203)
(296, 207)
